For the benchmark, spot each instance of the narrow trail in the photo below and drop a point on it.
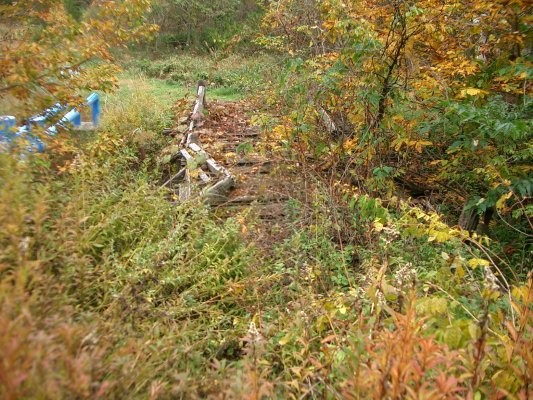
(262, 183)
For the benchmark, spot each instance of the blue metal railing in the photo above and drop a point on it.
(9, 130)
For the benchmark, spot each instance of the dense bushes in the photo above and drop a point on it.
(243, 74)
(103, 282)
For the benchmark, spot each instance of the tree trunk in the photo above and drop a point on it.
(470, 220)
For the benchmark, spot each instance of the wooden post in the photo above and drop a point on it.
(326, 119)
(185, 189)
(197, 112)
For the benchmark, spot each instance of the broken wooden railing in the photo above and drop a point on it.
(196, 164)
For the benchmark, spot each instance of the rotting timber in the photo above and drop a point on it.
(196, 163)
(247, 175)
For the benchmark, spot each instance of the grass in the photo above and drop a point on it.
(166, 92)
(231, 77)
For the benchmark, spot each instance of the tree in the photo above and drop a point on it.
(435, 91)
(49, 56)
(197, 23)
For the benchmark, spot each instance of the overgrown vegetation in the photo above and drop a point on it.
(406, 273)
(200, 26)
(233, 74)
(100, 247)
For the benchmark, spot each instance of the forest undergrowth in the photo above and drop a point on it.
(406, 271)
(108, 288)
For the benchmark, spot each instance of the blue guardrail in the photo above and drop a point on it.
(9, 130)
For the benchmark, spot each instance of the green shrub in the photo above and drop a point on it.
(240, 73)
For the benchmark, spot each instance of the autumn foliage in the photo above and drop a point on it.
(48, 56)
(402, 269)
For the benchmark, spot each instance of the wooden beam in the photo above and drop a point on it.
(218, 192)
(211, 163)
(197, 112)
(186, 155)
(204, 177)
(179, 175)
(215, 168)
(184, 191)
(195, 147)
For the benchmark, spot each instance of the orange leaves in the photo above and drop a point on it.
(329, 24)
(52, 48)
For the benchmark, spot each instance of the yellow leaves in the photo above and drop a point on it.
(418, 145)
(378, 226)
(418, 223)
(280, 132)
(284, 340)
(520, 293)
(350, 145)
(430, 28)
(329, 24)
(463, 93)
(478, 262)
(500, 204)
(440, 236)
(474, 331)
(431, 306)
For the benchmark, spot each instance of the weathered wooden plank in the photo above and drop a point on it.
(179, 175)
(218, 192)
(204, 177)
(192, 138)
(186, 155)
(213, 166)
(195, 147)
(184, 191)
(197, 112)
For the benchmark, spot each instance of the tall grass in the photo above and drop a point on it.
(236, 74)
(106, 288)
